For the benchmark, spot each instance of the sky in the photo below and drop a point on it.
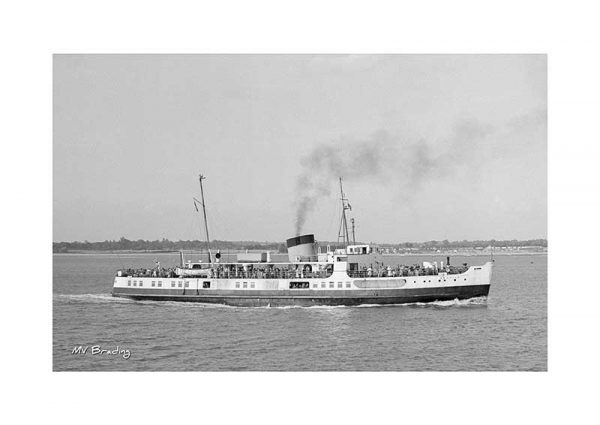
(430, 147)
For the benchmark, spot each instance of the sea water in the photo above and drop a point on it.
(94, 331)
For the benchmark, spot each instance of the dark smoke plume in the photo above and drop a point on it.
(384, 159)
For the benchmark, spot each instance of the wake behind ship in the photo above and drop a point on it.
(308, 278)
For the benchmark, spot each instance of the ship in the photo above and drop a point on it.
(310, 276)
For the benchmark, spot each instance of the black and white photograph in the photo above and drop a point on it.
(329, 212)
(313, 212)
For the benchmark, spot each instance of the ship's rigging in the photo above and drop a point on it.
(196, 202)
(343, 229)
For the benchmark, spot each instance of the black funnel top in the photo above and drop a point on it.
(300, 240)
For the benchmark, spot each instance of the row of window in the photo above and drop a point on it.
(159, 284)
(439, 280)
(141, 283)
(298, 285)
(331, 285)
(293, 285)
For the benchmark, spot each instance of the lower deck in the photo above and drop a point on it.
(276, 298)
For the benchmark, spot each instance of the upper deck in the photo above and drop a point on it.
(336, 262)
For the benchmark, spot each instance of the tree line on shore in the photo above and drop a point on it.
(166, 245)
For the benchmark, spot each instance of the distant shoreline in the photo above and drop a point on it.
(432, 254)
(474, 247)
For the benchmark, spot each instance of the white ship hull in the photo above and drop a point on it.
(337, 289)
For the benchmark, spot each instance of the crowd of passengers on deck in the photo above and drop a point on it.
(153, 272)
(380, 270)
(271, 271)
(251, 271)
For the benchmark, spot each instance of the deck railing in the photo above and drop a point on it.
(277, 273)
(404, 272)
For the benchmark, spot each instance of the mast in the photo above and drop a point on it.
(343, 232)
(353, 235)
(204, 212)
